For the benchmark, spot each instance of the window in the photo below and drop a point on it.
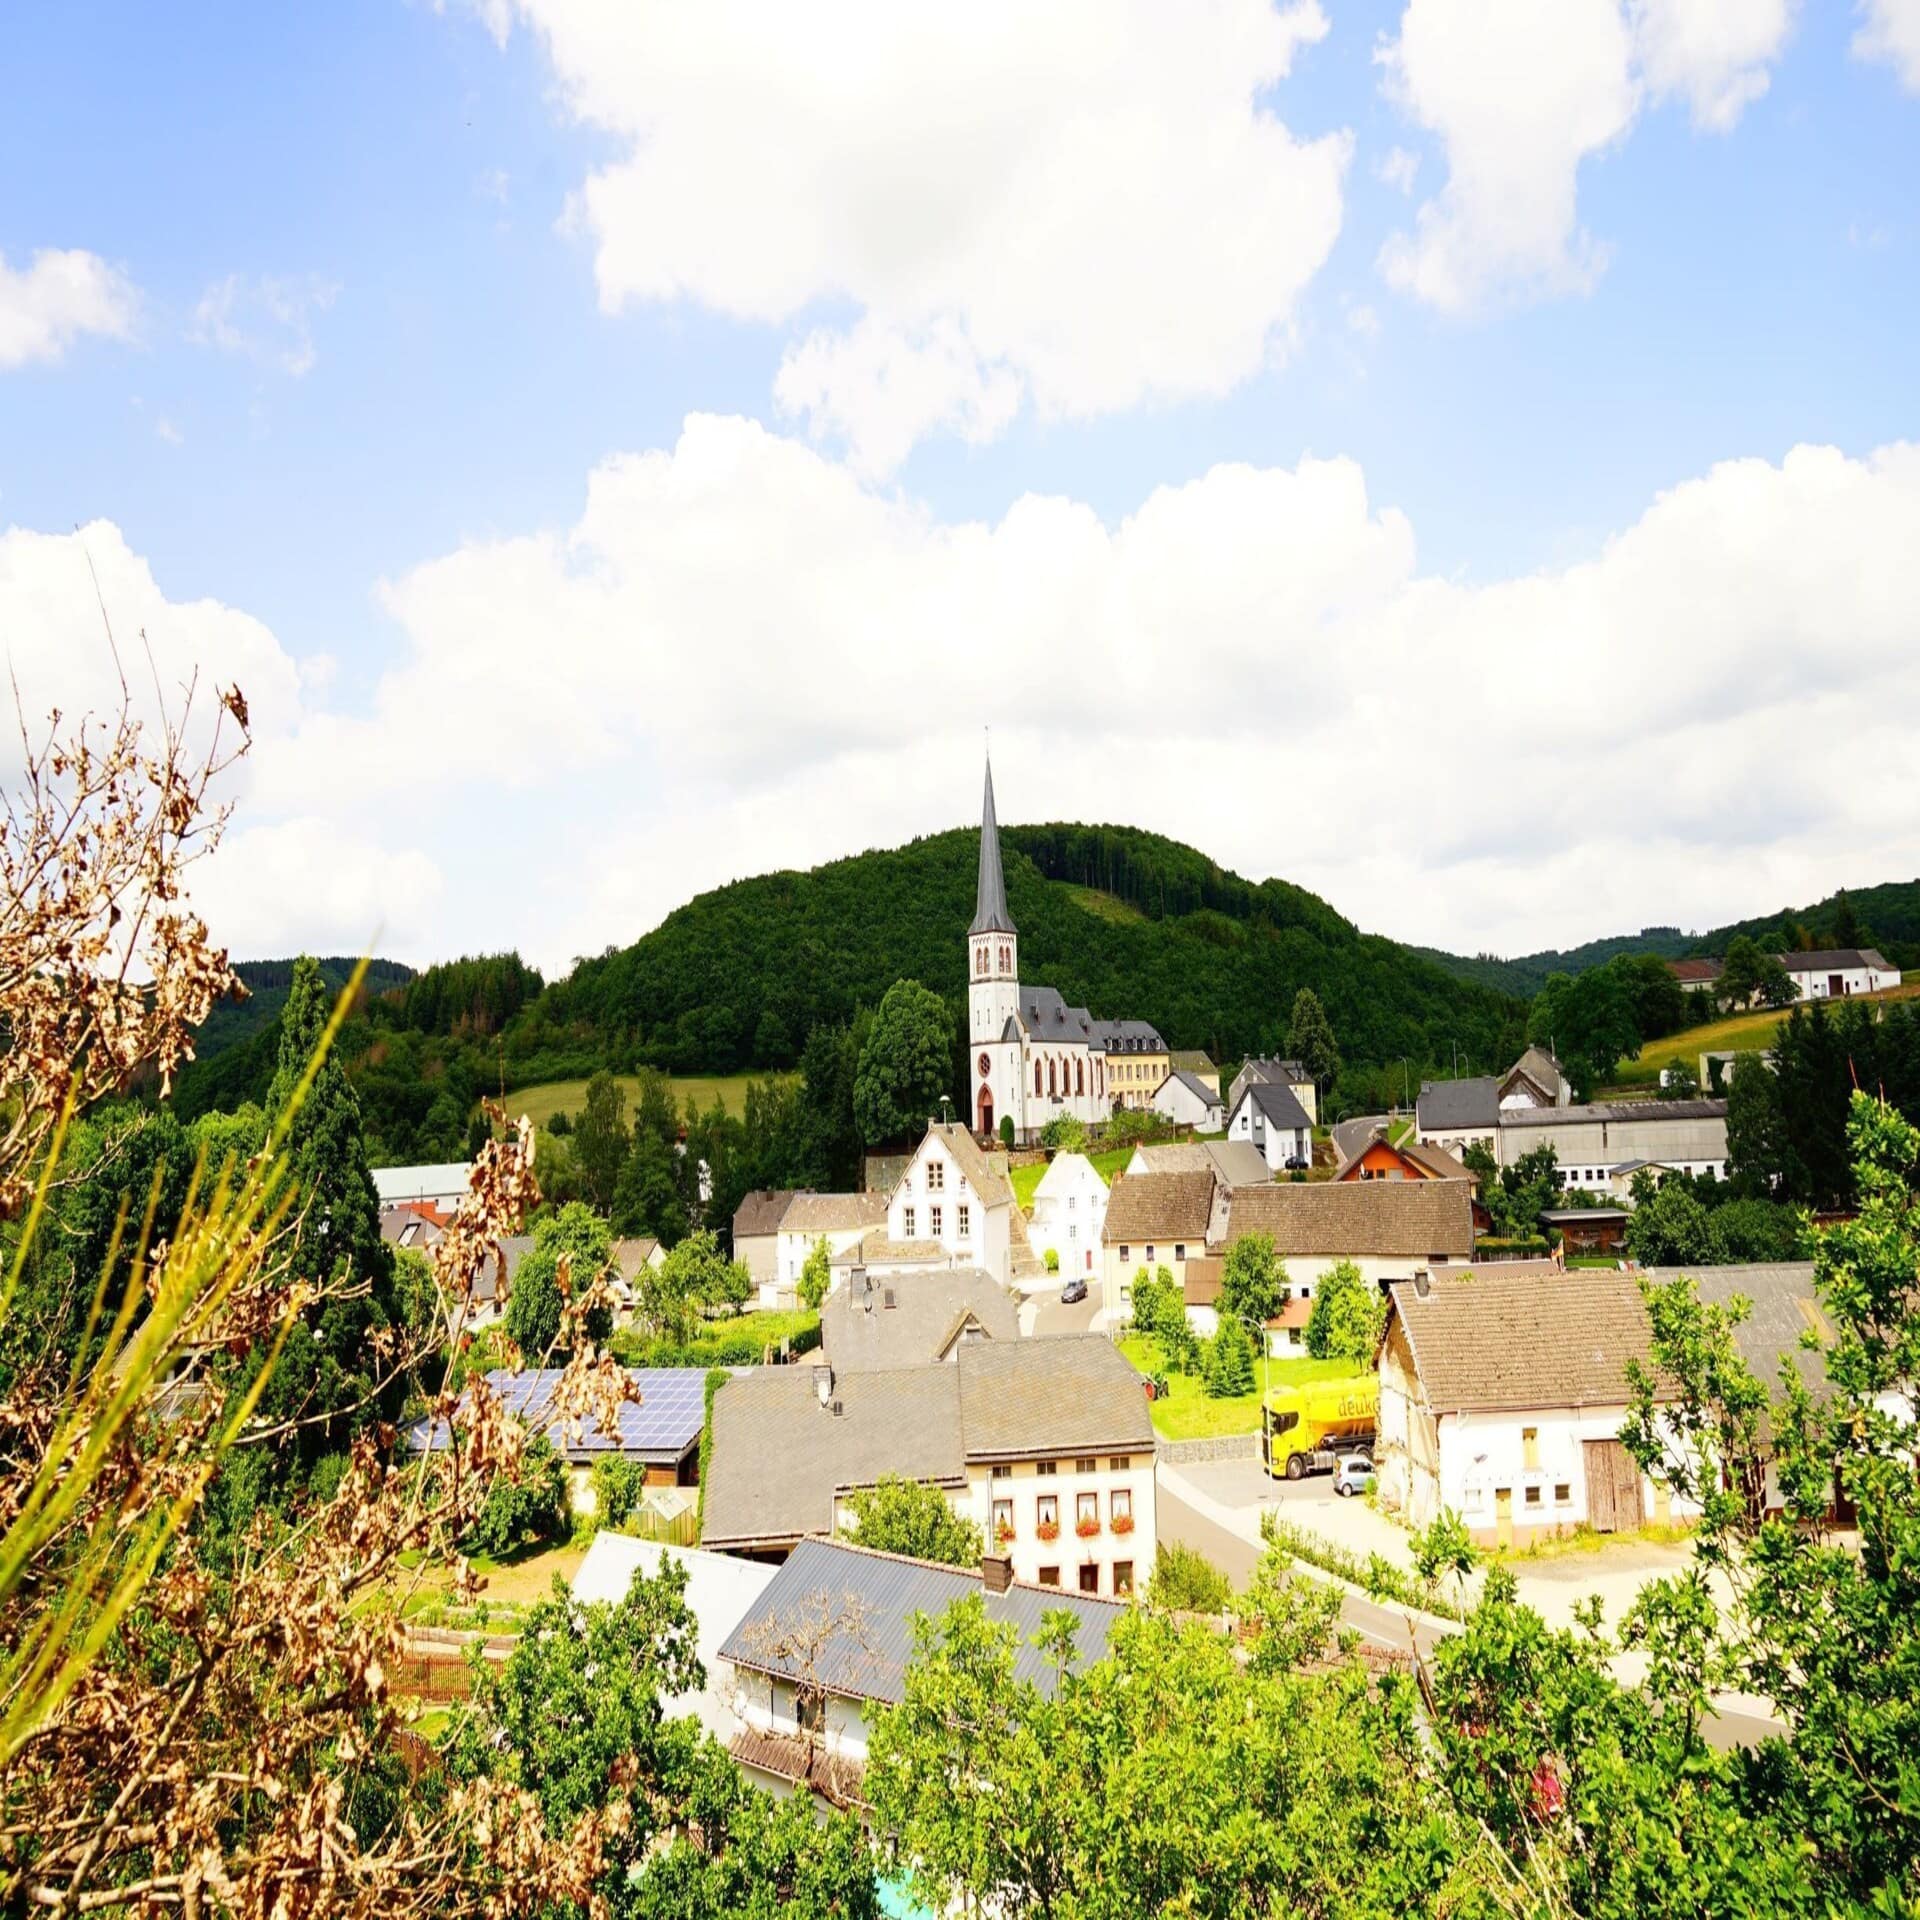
(1149, 1253)
(809, 1710)
(1120, 1503)
(1126, 1254)
(1002, 1471)
(1087, 1509)
(1073, 1233)
(1086, 1466)
(965, 1222)
(1002, 1519)
(933, 1221)
(1120, 1463)
(936, 1175)
(1179, 1249)
(906, 1223)
(1089, 1579)
(1533, 1496)
(1073, 1200)
(1049, 1576)
(1122, 1579)
(1530, 1448)
(1048, 1510)
(1047, 1468)
(1562, 1494)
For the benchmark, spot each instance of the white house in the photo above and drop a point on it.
(953, 1196)
(1502, 1396)
(842, 1220)
(1069, 1211)
(1291, 1074)
(1837, 972)
(827, 1640)
(1188, 1101)
(441, 1187)
(1457, 1114)
(1269, 1116)
(756, 1240)
(1153, 1220)
(1535, 1080)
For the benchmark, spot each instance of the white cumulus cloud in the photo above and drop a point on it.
(59, 295)
(266, 318)
(1889, 31)
(1088, 205)
(1521, 95)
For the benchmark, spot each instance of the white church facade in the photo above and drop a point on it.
(1033, 1056)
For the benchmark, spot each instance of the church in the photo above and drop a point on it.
(1034, 1057)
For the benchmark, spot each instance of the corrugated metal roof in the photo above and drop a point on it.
(878, 1595)
(1612, 1112)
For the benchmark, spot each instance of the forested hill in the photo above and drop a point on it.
(1887, 916)
(1123, 922)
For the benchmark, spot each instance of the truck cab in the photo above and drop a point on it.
(1307, 1429)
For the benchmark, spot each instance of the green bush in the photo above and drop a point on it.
(1053, 1259)
(1064, 1133)
(1006, 1130)
(1379, 1576)
(1186, 1581)
(524, 1508)
(716, 1379)
(617, 1486)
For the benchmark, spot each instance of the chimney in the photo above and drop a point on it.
(996, 1572)
(1422, 1282)
(823, 1384)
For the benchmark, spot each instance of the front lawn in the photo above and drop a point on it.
(1188, 1414)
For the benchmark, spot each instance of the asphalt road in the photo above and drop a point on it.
(1236, 1558)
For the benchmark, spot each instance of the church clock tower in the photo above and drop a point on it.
(993, 970)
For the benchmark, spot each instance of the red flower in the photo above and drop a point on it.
(1048, 1530)
(1122, 1523)
(1086, 1529)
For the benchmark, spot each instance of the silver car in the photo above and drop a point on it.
(1353, 1474)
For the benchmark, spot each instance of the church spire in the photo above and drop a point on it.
(990, 913)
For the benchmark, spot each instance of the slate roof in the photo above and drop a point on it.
(1539, 1066)
(1498, 1340)
(814, 1213)
(1459, 1103)
(1266, 1067)
(1195, 1086)
(991, 1187)
(1277, 1104)
(913, 1321)
(1409, 1219)
(887, 1591)
(1158, 1206)
(1611, 1111)
(1786, 1304)
(1128, 1036)
(1073, 1394)
(761, 1212)
(662, 1427)
(778, 1456)
(1835, 960)
(1046, 1016)
(990, 913)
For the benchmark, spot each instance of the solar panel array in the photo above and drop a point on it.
(665, 1422)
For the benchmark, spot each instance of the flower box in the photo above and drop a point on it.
(1122, 1523)
(1002, 1536)
(1086, 1529)
(1048, 1530)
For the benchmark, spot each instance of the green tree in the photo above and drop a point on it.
(816, 1276)
(647, 1197)
(1847, 930)
(905, 1065)
(1741, 971)
(618, 1483)
(910, 1517)
(1671, 1230)
(525, 1506)
(600, 1139)
(536, 1304)
(1063, 1132)
(1006, 1131)
(1229, 1360)
(1186, 1581)
(1253, 1281)
(671, 1299)
(1310, 1039)
(1347, 1318)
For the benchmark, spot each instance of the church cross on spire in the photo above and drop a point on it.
(990, 913)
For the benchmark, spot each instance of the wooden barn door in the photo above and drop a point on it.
(1613, 1487)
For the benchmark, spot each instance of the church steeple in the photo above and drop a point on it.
(990, 913)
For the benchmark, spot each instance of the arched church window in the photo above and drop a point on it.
(980, 959)
(1039, 1082)
(1080, 1078)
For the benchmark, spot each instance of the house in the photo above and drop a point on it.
(1138, 1060)
(873, 1326)
(1153, 1220)
(1379, 1159)
(1233, 1163)
(1194, 1061)
(1069, 1211)
(885, 1258)
(1458, 1114)
(1291, 1074)
(1045, 1444)
(953, 1195)
(1620, 1179)
(442, 1187)
(416, 1227)
(1502, 1396)
(1832, 973)
(1590, 1141)
(829, 1638)
(721, 1589)
(1286, 1331)
(840, 1219)
(1535, 1080)
(1269, 1116)
(1188, 1101)
(756, 1236)
(1697, 976)
(1389, 1229)
(659, 1432)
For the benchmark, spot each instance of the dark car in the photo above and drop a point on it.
(1074, 1290)
(1294, 1163)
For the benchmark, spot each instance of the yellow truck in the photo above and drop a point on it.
(1308, 1428)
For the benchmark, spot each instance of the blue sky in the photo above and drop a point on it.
(365, 334)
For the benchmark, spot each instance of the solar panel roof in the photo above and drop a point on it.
(663, 1424)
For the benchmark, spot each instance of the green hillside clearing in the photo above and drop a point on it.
(1736, 1033)
(541, 1103)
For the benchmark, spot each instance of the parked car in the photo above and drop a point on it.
(1295, 1164)
(1353, 1475)
(1074, 1290)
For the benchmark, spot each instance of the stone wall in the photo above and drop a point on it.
(1190, 1453)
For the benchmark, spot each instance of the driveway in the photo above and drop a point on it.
(1050, 1317)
